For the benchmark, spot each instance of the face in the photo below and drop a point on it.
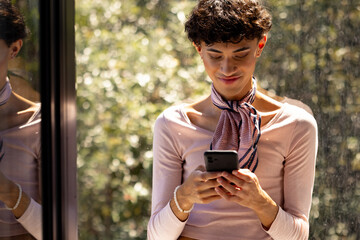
(4, 51)
(231, 66)
(6, 54)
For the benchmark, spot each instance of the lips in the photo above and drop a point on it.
(229, 80)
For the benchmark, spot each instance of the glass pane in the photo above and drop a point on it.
(311, 55)
(20, 144)
(134, 60)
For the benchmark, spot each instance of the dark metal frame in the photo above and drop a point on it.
(58, 98)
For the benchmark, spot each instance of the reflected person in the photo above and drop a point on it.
(269, 197)
(20, 198)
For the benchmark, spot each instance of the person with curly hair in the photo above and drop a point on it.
(20, 144)
(269, 196)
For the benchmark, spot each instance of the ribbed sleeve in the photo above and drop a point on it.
(292, 222)
(31, 219)
(167, 170)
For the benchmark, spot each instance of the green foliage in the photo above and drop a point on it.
(312, 55)
(134, 60)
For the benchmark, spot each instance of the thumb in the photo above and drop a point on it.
(200, 168)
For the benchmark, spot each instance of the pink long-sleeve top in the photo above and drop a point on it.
(22, 165)
(287, 152)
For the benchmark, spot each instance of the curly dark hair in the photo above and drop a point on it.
(12, 23)
(215, 21)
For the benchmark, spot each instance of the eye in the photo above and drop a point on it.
(215, 57)
(240, 56)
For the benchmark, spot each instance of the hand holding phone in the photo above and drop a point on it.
(221, 160)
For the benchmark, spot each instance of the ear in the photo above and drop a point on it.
(15, 48)
(261, 45)
(198, 48)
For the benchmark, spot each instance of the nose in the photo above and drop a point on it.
(228, 67)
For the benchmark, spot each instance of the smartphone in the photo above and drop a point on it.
(221, 160)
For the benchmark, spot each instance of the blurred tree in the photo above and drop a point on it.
(134, 60)
(312, 55)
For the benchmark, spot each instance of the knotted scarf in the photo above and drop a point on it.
(5, 93)
(238, 127)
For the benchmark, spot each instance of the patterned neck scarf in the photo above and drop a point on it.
(238, 127)
(5, 93)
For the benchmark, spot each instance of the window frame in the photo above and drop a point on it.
(58, 99)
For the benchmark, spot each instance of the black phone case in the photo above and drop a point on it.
(221, 160)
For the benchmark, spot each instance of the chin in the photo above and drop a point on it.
(231, 92)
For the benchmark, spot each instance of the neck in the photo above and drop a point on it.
(3, 79)
(5, 93)
(233, 104)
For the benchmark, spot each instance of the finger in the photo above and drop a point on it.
(233, 179)
(224, 194)
(228, 186)
(244, 174)
(210, 199)
(238, 184)
(206, 176)
(202, 186)
(200, 168)
(207, 194)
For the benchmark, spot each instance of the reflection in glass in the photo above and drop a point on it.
(20, 145)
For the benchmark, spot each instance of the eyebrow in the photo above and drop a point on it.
(237, 50)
